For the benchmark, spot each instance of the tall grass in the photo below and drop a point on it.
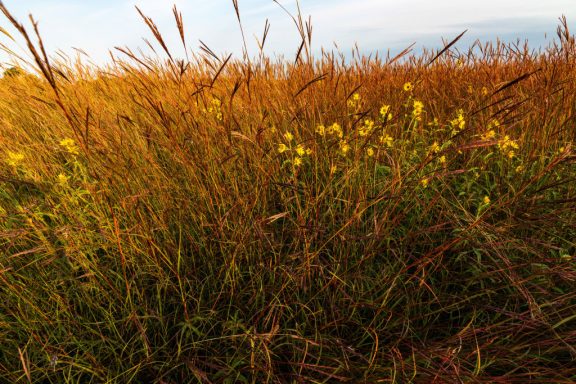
(220, 220)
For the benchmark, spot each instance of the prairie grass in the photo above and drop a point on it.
(221, 220)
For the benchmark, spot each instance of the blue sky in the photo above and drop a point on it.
(376, 25)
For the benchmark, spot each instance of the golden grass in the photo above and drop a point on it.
(218, 220)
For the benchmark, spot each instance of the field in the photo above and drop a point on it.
(300, 220)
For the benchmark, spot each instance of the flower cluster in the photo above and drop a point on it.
(299, 150)
(458, 123)
(434, 148)
(334, 129)
(70, 146)
(386, 140)
(366, 128)
(508, 146)
(344, 146)
(354, 100)
(215, 108)
(488, 135)
(385, 113)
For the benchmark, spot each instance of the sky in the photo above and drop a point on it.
(97, 26)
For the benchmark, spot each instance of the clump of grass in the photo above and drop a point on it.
(217, 220)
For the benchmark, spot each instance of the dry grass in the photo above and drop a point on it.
(154, 229)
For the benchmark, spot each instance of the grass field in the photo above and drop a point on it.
(307, 220)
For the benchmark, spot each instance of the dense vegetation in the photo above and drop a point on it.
(215, 220)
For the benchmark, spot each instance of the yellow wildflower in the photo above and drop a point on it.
(366, 128)
(519, 169)
(288, 136)
(320, 130)
(418, 108)
(408, 86)
(297, 161)
(424, 182)
(282, 148)
(486, 200)
(370, 152)
(14, 158)
(493, 124)
(507, 145)
(70, 146)
(335, 129)
(353, 101)
(484, 91)
(344, 146)
(62, 179)
(385, 112)
(308, 151)
(442, 159)
(386, 140)
(489, 135)
(434, 148)
(300, 150)
(459, 122)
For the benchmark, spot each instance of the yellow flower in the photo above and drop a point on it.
(308, 151)
(335, 129)
(297, 161)
(442, 159)
(486, 200)
(282, 148)
(320, 130)
(459, 122)
(418, 108)
(424, 182)
(386, 140)
(14, 158)
(353, 101)
(493, 124)
(507, 145)
(70, 146)
(288, 136)
(367, 128)
(484, 91)
(300, 150)
(385, 112)
(434, 148)
(407, 86)
(344, 146)
(519, 169)
(370, 152)
(489, 135)
(63, 179)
